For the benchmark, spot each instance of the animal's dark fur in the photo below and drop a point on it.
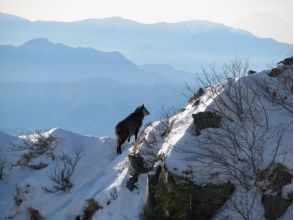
(130, 126)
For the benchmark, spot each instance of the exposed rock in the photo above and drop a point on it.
(288, 61)
(137, 166)
(275, 72)
(177, 197)
(203, 120)
(34, 214)
(275, 206)
(90, 208)
(277, 175)
(131, 183)
(250, 72)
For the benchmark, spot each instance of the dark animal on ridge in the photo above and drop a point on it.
(129, 126)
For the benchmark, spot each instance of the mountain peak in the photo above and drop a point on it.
(38, 42)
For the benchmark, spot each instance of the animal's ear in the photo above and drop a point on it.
(142, 106)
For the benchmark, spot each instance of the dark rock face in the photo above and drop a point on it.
(137, 166)
(176, 197)
(288, 61)
(204, 120)
(275, 206)
(275, 72)
(276, 176)
(250, 72)
(34, 214)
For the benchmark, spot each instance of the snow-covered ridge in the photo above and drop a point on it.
(101, 175)
(255, 134)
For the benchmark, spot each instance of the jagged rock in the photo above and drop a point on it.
(131, 183)
(34, 214)
(275, 72)
(250, 72)
(137, 166)
(288, 61)
(176, 197)
(204, 120)
(275, 206)
(277, 175)
(90, 208)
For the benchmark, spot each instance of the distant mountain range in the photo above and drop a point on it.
(40, 60)
(81, 89)
(185, 45)
(87, 75)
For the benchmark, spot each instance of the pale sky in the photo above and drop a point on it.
(229, 12)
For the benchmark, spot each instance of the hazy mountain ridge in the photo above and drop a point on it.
(57, 85)
(185, 45)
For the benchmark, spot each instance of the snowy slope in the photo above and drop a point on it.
(183, 150)
(99, 173)
(102, 175)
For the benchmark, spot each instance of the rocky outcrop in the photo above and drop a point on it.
(137, 167)
(251, 72)
(275, 177)
(275, 206)
(275, 72)
(90, 208)
(34, 214)
(176, 197)
(203, 120)
(288, 61)
(137, 164)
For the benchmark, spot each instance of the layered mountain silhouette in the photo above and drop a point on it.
(185, 45)
(40, 60)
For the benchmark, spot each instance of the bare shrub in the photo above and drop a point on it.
(20, 193)
(243, 206)
(61, 177)
(39, 144)
(238, 147)
(150, 148)
(281, 95)
(114, 193)
(168, 121)
(155, 135)
(230, 104)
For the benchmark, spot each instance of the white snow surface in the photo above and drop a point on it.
(98, 174)
(102, 175)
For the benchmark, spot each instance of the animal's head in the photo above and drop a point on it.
(144, 110)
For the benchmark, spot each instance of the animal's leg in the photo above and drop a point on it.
(136, 134)
(120, 141)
